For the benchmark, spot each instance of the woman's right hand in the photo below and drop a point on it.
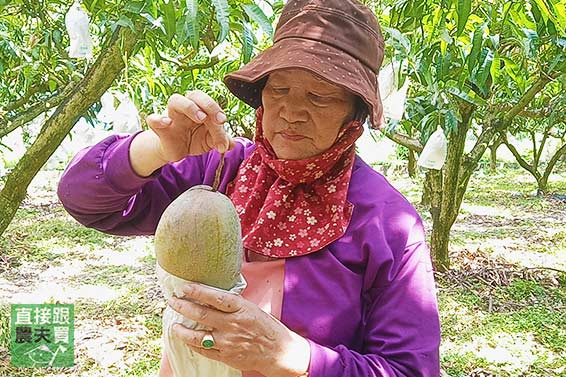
(194, 125)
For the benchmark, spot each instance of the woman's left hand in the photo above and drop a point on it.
(245, 337)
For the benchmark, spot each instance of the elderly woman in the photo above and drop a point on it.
(339, 275)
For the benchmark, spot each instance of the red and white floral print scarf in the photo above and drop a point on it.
(289, 208)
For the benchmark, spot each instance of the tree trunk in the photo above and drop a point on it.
(412, 164)
(493, 158)
(543, 181)
(440, 236)
(493, 147)
(97, 80)
(542, 186)
(446, 189)
(426, 198)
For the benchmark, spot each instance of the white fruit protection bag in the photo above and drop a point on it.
(434, 152)
(77, 23)
(182, 359)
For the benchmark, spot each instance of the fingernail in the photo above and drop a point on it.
(166, 121)
(171, 302)
(201, 115)
(221, 117)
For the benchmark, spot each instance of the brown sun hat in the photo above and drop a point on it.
(338, 40)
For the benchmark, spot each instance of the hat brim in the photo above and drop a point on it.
(321, 59)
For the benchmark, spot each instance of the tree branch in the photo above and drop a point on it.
(524, 164)
(483, 142)
(535, 151)
(35, 110)
(404, 140)
(25, 98)
(499, 123)
(528, 96)
(545, 136)
(553, 161)
(536, 114)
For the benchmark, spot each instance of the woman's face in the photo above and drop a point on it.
(303, 113)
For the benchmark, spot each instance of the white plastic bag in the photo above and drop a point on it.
(126, 118)
(393, 99)
(107, 111)
(182, 359)
(434, 152)
(77, 23)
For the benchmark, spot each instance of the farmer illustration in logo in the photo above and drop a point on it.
(43, 356)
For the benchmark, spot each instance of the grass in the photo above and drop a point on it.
(502, 305)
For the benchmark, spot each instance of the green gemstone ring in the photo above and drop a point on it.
(207, 341)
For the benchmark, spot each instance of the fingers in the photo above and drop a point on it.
(206, 316)
(202, 109)
(193, 338)
(214, 121)
(156, 121)
(215, 298)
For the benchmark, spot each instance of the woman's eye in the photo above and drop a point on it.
(279, 90)
(319, 99)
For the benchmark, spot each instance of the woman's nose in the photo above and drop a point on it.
(293, 109)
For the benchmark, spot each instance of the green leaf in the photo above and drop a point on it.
(483, 71)
(531, 42)
(223, 18)
(169, 19)
(126, 22)
(257, 15)
(399, 40)
(476, 48)
(156, 23)
(513, 70)
(560, 13)
(192, 27)
(463, 9)
(495, 67)
(52, 85)
(247, 43)
(543, 9)
(57, 38)
(135, 7)
(450, 120)
(469, 96)
(181, 36)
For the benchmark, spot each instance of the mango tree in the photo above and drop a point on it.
(541, 125)
(474, 66)
(148, 48)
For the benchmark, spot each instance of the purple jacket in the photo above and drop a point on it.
(366, 303)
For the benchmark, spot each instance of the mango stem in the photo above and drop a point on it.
(218, 171)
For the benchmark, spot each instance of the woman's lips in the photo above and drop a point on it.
(292, 137)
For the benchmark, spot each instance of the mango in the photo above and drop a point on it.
(199, 238)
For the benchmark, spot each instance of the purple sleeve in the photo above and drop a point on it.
(401, 325)
(100, 189)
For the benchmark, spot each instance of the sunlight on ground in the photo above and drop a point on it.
(54, 292)
(486, 210)
(512, 353)
(107, 346)
(131, 252)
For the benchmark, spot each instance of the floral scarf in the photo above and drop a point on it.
(290, 208)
